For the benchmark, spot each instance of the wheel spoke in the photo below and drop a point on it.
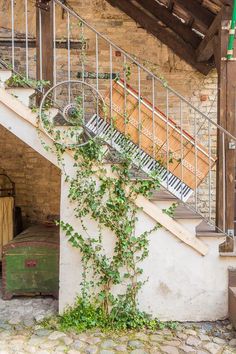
(77, 102)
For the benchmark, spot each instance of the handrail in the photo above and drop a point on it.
(144, 68)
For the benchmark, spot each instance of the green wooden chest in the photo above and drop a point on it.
(30, 264)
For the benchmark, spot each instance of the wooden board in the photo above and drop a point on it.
(159, 137)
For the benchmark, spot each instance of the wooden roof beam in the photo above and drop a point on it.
(227, 2)
(165, 16)
(206, 48)
(179, 47)
(195, 9)
(170, 5)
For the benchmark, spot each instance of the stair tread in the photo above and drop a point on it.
(182, 212)
(204, 226)
(162, 195)
(209, 234)
(232, 289)
(228, 254)
(19, 87)
(206, 230)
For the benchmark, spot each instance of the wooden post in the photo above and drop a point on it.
(44, 51)
(226, 118)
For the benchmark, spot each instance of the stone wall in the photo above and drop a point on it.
(37, 181)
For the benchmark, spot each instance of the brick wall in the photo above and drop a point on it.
(125, 33)
(37, 180)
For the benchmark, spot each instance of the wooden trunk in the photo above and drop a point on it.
(127, 114)
(31, 263)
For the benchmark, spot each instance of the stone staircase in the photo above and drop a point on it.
(186, 223)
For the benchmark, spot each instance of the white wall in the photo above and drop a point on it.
(182, 286)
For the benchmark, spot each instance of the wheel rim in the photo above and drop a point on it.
(65, 110)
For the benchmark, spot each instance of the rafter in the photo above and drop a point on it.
(164, 15)
(170, 5)
(206, 47)
(227, 2)
(199, 12)
(171, 39)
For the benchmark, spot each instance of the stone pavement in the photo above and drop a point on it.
(20, 333)
(204, 338)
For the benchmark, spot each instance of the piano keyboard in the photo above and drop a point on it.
(99, 127)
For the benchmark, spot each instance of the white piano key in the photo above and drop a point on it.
(146, 160)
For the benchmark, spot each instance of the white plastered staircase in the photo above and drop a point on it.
(17, 117)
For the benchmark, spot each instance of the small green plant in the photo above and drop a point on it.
(89, 315)
(127, 71)
(171, 210)
(33, 108)
(17, 80)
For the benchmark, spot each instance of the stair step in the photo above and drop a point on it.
(228, 254)
(209, 234)
(163, 195)
(182, 212)
(206, 230)
(232, 295)
(232, 290)
(22, 93)
(232, 304)
(5, 74)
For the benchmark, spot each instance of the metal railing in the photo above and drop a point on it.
(95, 59)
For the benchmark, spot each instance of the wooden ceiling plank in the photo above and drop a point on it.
(179, 47)
(170, 5)
(165, 16)
(217, 57)
(196, 10)
(187, 16)
(206, 47)
(227, 2)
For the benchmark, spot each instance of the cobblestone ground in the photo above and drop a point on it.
(20, 333)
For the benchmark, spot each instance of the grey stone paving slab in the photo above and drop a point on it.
(20, 333)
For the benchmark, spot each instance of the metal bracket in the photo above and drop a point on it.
(232, 145)
(230, 232)
(43, 4)
(227, 25)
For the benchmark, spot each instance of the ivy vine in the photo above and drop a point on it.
(109, 200)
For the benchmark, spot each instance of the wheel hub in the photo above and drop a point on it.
(71, 113)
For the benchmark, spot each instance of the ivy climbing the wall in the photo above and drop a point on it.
(106, 194)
